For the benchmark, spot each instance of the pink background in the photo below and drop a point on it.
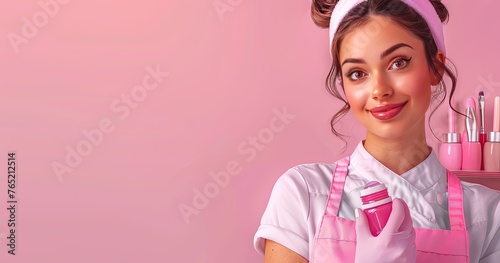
(228, 74)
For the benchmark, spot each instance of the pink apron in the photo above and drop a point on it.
(336, 239)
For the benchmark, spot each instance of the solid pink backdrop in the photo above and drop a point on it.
(239, 91)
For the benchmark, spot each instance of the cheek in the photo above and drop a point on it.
(356, 97)
(416, 85)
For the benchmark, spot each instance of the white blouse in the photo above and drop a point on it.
(298, 201)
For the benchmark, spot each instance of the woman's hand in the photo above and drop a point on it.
(396, 242)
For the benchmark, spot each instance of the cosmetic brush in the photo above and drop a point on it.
(482, 133)
(491, 150)
(470, 103)
(471, 149)
(471, 121)
(450, 150)
(496, 113)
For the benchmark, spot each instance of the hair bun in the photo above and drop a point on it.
(441, 10)
(321, 11)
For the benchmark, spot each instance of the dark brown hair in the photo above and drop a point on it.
(400, 13)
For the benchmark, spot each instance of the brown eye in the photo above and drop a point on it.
(356, 75)
(400, 63)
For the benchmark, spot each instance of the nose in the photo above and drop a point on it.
(381, 87)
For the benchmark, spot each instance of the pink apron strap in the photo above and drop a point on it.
(455, 195)
(455, 203)
(337, 187)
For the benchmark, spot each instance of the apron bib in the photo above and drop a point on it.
(336, 239)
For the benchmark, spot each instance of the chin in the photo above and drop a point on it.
(391, 133)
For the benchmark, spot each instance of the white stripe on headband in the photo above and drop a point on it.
(423, 7)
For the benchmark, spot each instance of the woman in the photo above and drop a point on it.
(389, 60)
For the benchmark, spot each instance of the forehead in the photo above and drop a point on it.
(374, 36)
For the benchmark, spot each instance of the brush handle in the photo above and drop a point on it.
(482, 141)
(482, 138)
(496, 115)
(451, 117)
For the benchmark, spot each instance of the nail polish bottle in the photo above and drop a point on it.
(377, 206)
(450, 151)
(491, 153)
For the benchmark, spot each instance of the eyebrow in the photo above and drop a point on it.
(383, 55)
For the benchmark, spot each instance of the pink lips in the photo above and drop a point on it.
(388, 111)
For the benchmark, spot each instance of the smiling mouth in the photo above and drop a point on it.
(388, 111)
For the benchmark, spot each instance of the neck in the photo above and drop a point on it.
(398, 155)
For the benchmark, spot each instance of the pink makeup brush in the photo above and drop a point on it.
(471, 148)
(482, 133)
(450, 150)
(491, 150)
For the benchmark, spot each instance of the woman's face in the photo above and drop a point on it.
(386, 79)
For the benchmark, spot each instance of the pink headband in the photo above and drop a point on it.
(423, 7)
